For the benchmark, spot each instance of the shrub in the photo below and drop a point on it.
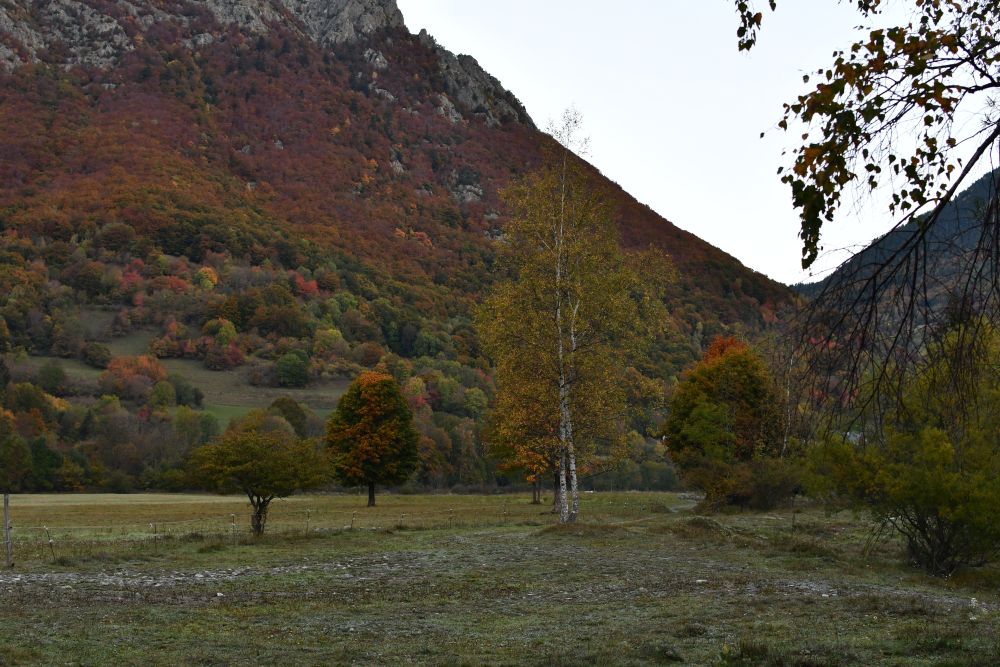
(292, 370)
(219, 358)
(163, 395)
(132, 377)
(185, 392)
(52, 377)
(929, 472)
(292, 412)
(96, 355)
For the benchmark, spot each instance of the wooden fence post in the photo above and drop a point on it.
(8, 545)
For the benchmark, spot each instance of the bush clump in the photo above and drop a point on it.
(725, 431)
(928, 468)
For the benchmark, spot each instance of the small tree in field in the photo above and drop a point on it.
(262, 465)
(371, 434)
(725, 429)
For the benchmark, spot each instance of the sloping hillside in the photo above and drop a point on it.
(242, 182)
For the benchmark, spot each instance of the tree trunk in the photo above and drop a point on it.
(567, 462)
(536, 492)
(574, 488)
(259, 517)
(8, 545)
(371, 494)
(555, 492)
(563, 505)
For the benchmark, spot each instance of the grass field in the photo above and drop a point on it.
(470, 580)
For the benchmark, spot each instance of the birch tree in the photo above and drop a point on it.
(560, 329)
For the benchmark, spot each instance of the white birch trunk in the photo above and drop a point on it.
(563, 505)
(574, 489)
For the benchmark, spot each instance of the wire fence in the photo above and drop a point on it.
(63, 542)
(72, 542)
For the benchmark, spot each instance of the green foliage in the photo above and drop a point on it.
(52, 377)
(97, 355)
(15, 458)
(725, 429)
(930, 472)
(163, 395)
(292, 412)
(193, 427)
(185, 393)
(261, 465)
(45, 462)
(371, 435)
(222, 330)
(292, 369)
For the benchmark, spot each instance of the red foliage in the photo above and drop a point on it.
(721, 346)
(304, 288)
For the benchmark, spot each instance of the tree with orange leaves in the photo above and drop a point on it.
(725, 427)
(371, 434)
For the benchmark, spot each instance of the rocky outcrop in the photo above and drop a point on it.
(75, 32)
(333, 22)
(474, 89)
(70, 32)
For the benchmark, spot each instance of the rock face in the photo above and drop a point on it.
(338, 21)
(33, 30)
(472, 87)
(72, 33)
(88, 37)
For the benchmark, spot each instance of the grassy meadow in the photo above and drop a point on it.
(469, 580)
(228, 394)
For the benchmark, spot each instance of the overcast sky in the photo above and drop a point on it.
(673, 110)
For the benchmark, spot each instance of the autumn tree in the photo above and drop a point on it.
(371, 435)
(263, 465)
(559, 330)
(132, 377)
(910, 110)
(725, 428)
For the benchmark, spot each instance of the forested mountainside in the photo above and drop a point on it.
(955, 234)
(284, 191)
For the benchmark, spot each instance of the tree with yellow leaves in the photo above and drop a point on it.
(560, 329)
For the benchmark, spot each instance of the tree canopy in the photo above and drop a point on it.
(262, 464)
(909, 110)
(561, 328)
(908, 81)
(726, 425)
(371, 434)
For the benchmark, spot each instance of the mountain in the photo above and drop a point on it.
(228, 184)
(946, 245)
